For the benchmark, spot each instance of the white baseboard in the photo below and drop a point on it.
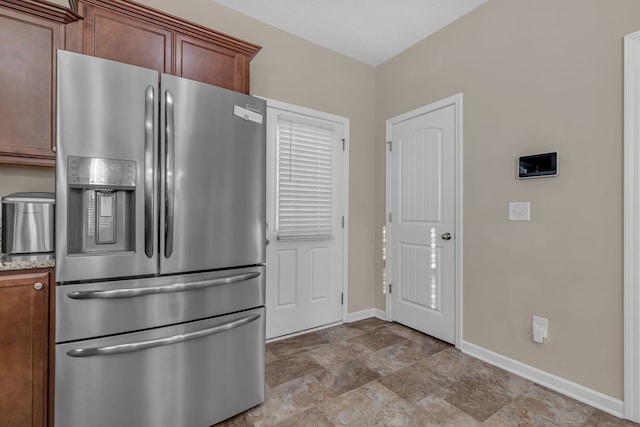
(365, 314)
(568, 388)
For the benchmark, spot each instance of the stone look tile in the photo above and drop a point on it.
(451, 364)
(237, 421)
(439, 412)
(540, 406)
(601, 419)
(512, 384)
(339, 334)
(477, 398)
(289, 399)
(413, 383)
(430, 344)
(393, 358)
(367, 325)
(496, 421)
(270, 357)
(346, 376)
(369, 405)
(296, 344)
(338, 352)
(378, 339)
(290, 368)
(310, 417)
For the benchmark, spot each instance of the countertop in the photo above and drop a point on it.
(27, 261)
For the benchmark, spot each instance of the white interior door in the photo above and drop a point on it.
(422, 221)
(305, 155)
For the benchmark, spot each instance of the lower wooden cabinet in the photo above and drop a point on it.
(24, 347)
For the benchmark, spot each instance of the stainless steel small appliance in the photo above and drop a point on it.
(28, 223)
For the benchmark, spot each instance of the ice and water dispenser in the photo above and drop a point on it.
(101, 205)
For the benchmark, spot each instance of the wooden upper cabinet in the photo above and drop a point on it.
(130, 32)
(30, 33)
(115, 36)
(209, 63)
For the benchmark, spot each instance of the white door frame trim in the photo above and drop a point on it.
(456, 101)
(632, 227)
(344, 121)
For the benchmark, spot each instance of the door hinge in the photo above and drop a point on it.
(343, 144)
(390, 217)
(390, 287)
(342, 299)
(390, 143)
(343, 221)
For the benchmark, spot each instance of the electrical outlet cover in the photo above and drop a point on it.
(541, 324)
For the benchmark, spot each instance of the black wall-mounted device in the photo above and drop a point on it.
(538, 165)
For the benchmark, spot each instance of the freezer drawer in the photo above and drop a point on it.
(96, 309)
(139, 380)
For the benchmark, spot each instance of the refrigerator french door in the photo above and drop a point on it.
(154, 173)
(213, 177)
(160, 248)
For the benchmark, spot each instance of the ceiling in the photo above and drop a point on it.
(370, 31)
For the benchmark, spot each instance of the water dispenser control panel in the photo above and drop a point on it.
(101, 172)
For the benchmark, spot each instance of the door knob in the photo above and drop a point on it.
(446, 236)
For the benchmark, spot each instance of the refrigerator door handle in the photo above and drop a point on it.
(159, 342)
(169, 174)
(148, 170)
(164, 289)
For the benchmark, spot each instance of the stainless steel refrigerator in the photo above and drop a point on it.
(160, 245)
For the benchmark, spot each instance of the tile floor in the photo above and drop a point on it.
(375, 373)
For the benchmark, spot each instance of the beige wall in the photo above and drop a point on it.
(292, 70)
(16, 178)
(536, 76)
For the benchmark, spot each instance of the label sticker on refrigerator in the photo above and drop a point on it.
(247, 114)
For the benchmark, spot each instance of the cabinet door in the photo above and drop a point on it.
(116, 36)
(210, 63)
(27, 88)
(24, 348)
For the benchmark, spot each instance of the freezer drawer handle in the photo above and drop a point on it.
(165, 289)
(144, 345)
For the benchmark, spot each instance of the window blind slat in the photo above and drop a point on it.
(304, 180)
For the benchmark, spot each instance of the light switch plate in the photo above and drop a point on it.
(519, 211)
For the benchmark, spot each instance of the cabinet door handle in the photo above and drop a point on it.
(38, 286)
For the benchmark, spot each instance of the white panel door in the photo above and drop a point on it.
(422, 222)
(305, 226)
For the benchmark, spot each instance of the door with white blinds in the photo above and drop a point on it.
(305, 215)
